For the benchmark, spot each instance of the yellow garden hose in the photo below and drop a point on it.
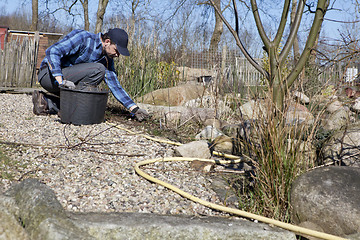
(229, 156)
(235, 159)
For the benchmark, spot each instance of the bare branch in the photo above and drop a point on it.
(293, 32)
(239, 43)
(314, 32)
(282, 24)
(259, 25)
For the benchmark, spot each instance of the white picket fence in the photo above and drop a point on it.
(236, 73)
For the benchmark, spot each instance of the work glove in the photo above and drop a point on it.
(67, 84)
(140, 114)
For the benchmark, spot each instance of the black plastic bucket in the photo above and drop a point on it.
(83, 106)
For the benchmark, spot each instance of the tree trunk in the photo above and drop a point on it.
(218, 29)
(100, 15)
(280, 84)
(296, 49)
(35, 15)
(85, 4)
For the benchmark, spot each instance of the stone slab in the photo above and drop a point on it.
(154, 226)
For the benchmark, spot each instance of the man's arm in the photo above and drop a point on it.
(69, 45)
(119, 93)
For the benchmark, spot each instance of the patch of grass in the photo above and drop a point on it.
(5, 166)
(8, 166)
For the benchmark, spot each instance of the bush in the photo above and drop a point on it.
(143, 71)
(278, 153)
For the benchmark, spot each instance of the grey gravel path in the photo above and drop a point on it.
(90, 167)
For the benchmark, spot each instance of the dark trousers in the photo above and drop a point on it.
(83, 74)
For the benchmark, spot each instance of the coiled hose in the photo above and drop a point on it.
(234, 159)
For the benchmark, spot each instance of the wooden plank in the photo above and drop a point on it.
(21, 64)
(14, 64)
(35, 63)
(8, 62)
(1, 67)
(18, 90)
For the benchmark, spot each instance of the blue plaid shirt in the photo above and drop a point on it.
(80, 46)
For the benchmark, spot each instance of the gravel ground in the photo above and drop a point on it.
(90, 167)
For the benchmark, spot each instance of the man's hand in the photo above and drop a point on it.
(140, 114)
(67, 84)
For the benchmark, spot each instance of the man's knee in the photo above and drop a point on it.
(98, 72)
(99, 68)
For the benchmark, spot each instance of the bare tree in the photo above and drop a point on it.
(100, 15)
(218, 29)
(219, 25)
(346, 47)
(69, 7)
(207, 8)
(296, 49)
(278, 85)
(74, 9)
(35, 15)
(85, 4)
(18, 20)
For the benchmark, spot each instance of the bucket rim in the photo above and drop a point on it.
(83, 90)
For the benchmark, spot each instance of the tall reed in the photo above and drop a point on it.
(279, 151)
(143, 71)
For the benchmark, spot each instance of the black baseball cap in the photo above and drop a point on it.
(120, 38)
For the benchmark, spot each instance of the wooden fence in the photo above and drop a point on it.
(18, 62)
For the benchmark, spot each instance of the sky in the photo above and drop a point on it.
(331, 27)
(12, 5)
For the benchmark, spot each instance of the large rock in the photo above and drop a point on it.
(356, 105)
(196, 149)
(174, 96)
(10, 228)
(223, 144)
(222, 107)
(34, 205)
(208, 133)
(152, 226)
(257, 110)
(301, 97)
(334, 106)
(298, 114)
(328, 199)
(343, 147)
(337, 119)
(240, 130)
(336, 116)
(41, 213)
(175, 116)
(253, 110)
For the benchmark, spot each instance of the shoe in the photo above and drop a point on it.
(40, 103)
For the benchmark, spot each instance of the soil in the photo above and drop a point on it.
(151, 126)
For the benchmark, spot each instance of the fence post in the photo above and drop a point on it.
(223, 67)
(2, 69)
(36, 52)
